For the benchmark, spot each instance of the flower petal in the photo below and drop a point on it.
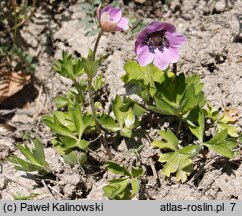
(123, 24)
(107, 8)
(106, 24)
(157, 26)
(115, 14)
(141, 37)
(153, 27)
(162, 59)
(174, 54)
(176, 39)
(99, 12)
(145, 57)
(168, 27)
(111, 20)
(139, 48)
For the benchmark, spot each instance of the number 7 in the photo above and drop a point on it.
(233, 205)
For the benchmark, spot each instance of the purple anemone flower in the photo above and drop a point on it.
(159, 42)
(111, 20)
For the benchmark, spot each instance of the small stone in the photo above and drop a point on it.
(3, 183)
(4, 151)
(220, 6)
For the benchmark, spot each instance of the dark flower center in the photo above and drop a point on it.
(157, 40)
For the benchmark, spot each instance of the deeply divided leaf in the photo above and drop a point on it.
(221, 144)
(176, 162)
(117, 168)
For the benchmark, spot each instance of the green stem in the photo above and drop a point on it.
(96, 44)
(178, 129)
(174, 69)
(103, 140)
(90, 90)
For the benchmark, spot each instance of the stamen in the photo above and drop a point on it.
(157, 40)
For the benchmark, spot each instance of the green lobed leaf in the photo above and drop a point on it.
(88, 121)
(117, 168)
(135, 187)
(58, 128)
(138, 110)
(129, 103)
(65, 119)
(83, 144)
(219, 137)
(148, 75)
(167, 92)
(129, 119)
(179, 160)
(23, 165)
(176, 162)
(190, 150)
(72, 158)
(69, 66)
(232, 130)
(170, 137)
(69, 143)
(58, 146)
(38, 152)
(144, 94)
(191, 100)
(120, 116)
(91, 64)
(221, 148)
(115, 188)
(136, 171)
(25, 150)
(126, 132)
(221, 144)
(61, 101)
(179, 88)
(133, 72)
(169, 141)
(162, 145)
(162, 107)
(126, 119)
(108, 123)
(177, 95)
(97, 83)
(77, 118)
(195, 80)
(196, 123)
(211, 112)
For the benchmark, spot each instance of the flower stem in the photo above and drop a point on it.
(90, 90)
(96, 43)
(103, 140)
(174, 69)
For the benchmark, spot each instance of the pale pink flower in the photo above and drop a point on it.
(111, 20)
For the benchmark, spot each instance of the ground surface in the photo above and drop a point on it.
(213, 51)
